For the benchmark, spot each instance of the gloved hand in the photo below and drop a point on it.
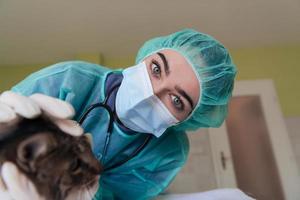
(13, 104)
(15, 185)
(18, 187)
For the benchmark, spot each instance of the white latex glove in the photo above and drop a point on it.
(4, 194)
(17, 186)
(13, 104)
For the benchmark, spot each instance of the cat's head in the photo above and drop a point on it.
(55, 161)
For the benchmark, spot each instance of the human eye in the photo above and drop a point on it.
(177, 102)
(155, 68)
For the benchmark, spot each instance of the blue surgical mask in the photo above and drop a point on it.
(138, 107)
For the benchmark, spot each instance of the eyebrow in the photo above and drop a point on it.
(166, 65)
(185, 95)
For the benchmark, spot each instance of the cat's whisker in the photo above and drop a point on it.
(90, 183)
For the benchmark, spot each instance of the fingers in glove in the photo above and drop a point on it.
(7, 114)
(18, 185)
(69, 126)
(2, 185)
(20, 104)
(53, 106)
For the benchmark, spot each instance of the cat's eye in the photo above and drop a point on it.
(75, 165)
(42, 176)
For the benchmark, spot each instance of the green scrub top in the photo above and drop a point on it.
(142, 177)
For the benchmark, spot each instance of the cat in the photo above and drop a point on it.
(56, 162)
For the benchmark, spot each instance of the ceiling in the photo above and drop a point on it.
(40, 31)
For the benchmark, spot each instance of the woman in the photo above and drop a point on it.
(182, 81)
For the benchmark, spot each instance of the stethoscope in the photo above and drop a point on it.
(112, 116)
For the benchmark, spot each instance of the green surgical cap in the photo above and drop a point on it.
(214, 69)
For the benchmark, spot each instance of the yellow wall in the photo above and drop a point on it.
(280, 63)
(10, 75)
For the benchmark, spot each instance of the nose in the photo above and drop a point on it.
(161, 88)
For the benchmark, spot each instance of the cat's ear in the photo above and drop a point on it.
(89, 138)
(87, 156)
(33, 147)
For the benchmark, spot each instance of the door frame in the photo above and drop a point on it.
(284, 157)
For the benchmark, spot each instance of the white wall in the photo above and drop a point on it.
(198, 174)
(293, 126)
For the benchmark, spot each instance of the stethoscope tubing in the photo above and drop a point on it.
(109, 131)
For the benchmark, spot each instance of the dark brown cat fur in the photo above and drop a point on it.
(55, 162)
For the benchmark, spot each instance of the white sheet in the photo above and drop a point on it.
(219, 194)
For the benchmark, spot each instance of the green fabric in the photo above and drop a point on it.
(213, 67)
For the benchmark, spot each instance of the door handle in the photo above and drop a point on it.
(223, 160)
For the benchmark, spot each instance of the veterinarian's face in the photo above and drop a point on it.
(174, 82)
